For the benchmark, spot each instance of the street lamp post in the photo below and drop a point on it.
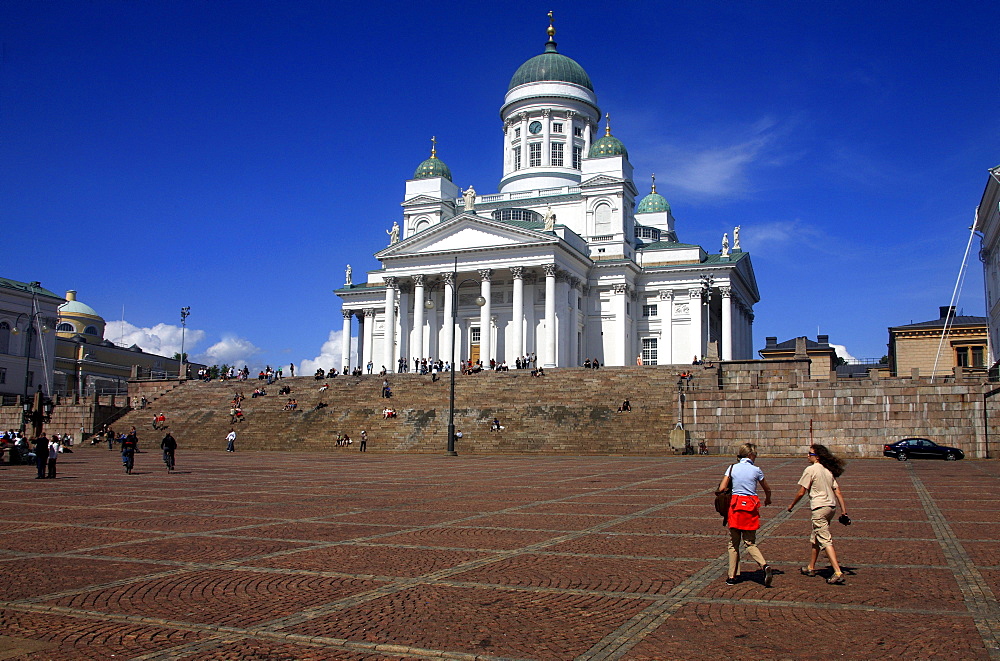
(32, 318)
(185, 311)
(480, 301)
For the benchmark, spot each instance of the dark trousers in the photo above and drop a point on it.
(364, 446)
(52, 468)
(40, 462)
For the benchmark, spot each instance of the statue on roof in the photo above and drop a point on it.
(550, 220)
(725, 244)
(393, 233)
(470, 198)
(736, 238)
(347, 277)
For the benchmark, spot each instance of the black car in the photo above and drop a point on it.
(921, 448)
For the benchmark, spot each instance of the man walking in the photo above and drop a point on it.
(231, 438)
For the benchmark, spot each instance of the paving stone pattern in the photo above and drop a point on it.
(258, 555)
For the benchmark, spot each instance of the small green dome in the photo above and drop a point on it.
(552, 66)
(609, 145)
(653, 203)
(432, 167)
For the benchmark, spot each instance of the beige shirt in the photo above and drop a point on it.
(819, 483)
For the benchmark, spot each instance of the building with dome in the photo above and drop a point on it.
(87, 362)
(564, 261)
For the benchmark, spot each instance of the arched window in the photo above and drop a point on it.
(65, 328)
(602, 219)
(4, 337)
(91, 330)
(421, 225)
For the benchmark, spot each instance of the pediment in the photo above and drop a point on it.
(421, 199)
(601, 180)
(466, 232)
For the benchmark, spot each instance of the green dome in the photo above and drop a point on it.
(609, 145)
(653, 203)
(550, 65)
(432, 167)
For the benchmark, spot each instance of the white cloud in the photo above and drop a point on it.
(330, 354)
(843, 352)
(161, 339)
(231, 350)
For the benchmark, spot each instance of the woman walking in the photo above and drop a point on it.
(819, 480)
(743, 517)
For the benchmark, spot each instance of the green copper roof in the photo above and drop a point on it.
(432, 167)
(653, 203)
(609, 145)
(550, 65)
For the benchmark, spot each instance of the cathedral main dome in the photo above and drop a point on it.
(550, 66)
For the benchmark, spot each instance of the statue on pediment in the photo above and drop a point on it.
(393, 233)
(347, 277)
(470, 198)
(550, 220)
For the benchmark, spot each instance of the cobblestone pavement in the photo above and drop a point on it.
(353, 556)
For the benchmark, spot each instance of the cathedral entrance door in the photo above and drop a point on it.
(474, 344)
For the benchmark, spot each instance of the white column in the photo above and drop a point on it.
(727, 323)
(389, 339)
(444, 347)
(574, 324)
(622, 349)
(345, 341)
(587, 136)
(665, 355)
(696, 335)
(485, 313)
(517, 321)
(546, 133)
(417, 350)
(549, 358)
(369, 338)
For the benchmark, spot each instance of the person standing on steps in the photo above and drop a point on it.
(291, 369)
(231, 440)
(364, 441)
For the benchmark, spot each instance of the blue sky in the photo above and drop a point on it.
(234, 156)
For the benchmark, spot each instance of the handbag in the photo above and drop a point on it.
(724, 496)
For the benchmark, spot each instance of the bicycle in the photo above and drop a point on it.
(168, 459)
(128, 462)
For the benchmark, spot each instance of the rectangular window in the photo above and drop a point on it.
(977, 357)
(962, 356)
(534, 154)
(649, 310)
(578, 131)
(517, 132)
(3, 375)
(31, 379)
(649, 351)
(517, 158)
(474, 335)
(557, 127)
(577, 157)
(557, 154)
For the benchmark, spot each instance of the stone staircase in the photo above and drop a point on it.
(568, 411)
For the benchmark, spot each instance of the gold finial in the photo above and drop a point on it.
(552, 30)
(433, 147)
(654, 182)
(607, 126)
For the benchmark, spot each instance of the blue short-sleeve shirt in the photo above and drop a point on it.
(745, 477)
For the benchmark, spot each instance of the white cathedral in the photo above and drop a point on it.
(560, 262)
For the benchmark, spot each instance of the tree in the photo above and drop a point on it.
(177, 356)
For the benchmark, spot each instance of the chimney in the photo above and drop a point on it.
(823, 339)
(771, 342)
(947, 311)
(71, 295)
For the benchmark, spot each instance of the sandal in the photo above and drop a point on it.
(836, 579)
(805, 571)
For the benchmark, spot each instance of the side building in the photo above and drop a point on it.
(564, 261)
(988, 226)
(938, 346)
(28, 316)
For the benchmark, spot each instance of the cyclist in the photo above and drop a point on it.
(168, 445)
(129, 446)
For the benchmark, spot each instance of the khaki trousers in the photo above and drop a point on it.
(748, 537)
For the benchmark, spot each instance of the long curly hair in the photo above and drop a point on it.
(833, 464)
